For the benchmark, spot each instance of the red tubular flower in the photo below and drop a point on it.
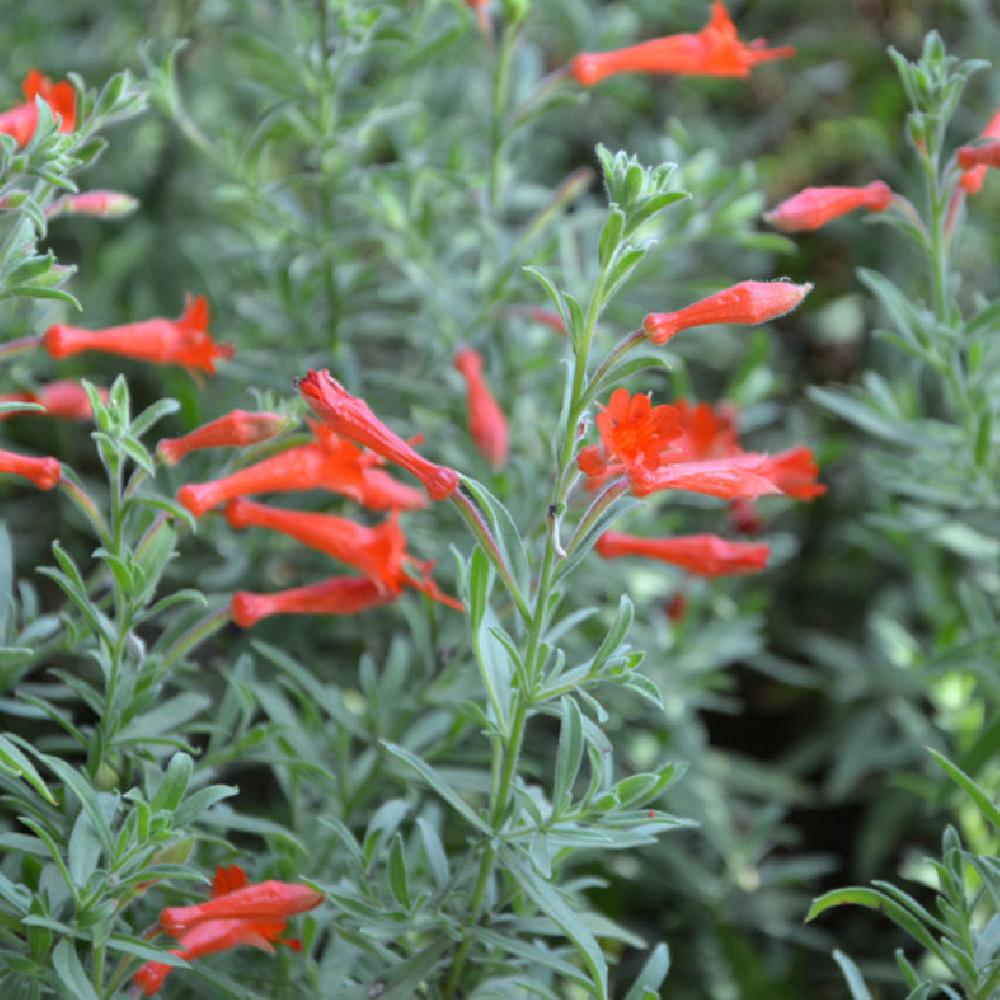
(233, 899)
(341, 595)
(100, 204)
(22, 120)
(716, 50)
(185, 341)
(238, 914)
(748, 303)
(794, 473)
(377, 552)
(380, 552)
(328, 463)
(970, 157)
(43, 472)
(814, 207)
(747, 476)
(236, 429)
(702, 555)
(973, 177)
(487, 423)
(352, 417)
(61, 399)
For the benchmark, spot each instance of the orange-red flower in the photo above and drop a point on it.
(692, 447)
(973, 176)
(737, 476)
(100, 204)
(487, 423)
(702, 555)
(794, 473)
(748, 303)
(705, 432)
(341, 595)
(61, 399)
(352, 417)
(22, 120)
(970, 157)
(238, 914)
(234, 899)
(43, 472)
(814, 207)
(236, 429)
(185, 341)
(633, 433)
(329, 462)
(380, 552)
(716, 50)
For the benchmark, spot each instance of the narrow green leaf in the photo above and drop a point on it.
(438, 784)
(11, 759)
(855, 981)
(398, 882)
(553, 904)
(569, 755)
(874, 900)
(652, 975)
(66, 962)
(977, 794)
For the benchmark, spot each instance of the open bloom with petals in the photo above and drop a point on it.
(352, 417)
(379, 553)
(487, 423)
(238, 914)
(22, 120)
(329, 462)
(185, 341)
(65, 398)
(633, 433)
(716, 50)
(43, 472)
(702, 555)
(974, 175)
(814, 207)
(99, 204)
(341, 595)
(236, 429)
(745, 304)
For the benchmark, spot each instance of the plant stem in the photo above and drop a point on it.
(497, 137)
(523, 696)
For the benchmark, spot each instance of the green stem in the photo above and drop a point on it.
(497, 136)
(523, 697)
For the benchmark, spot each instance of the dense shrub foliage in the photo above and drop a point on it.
(500, 500)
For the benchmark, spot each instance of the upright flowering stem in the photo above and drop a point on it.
(510, 749)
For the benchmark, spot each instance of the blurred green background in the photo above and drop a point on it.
(341, 237)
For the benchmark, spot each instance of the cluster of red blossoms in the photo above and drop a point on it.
(237, 914)
(695, 448)
(344, 456)
(331, 461)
